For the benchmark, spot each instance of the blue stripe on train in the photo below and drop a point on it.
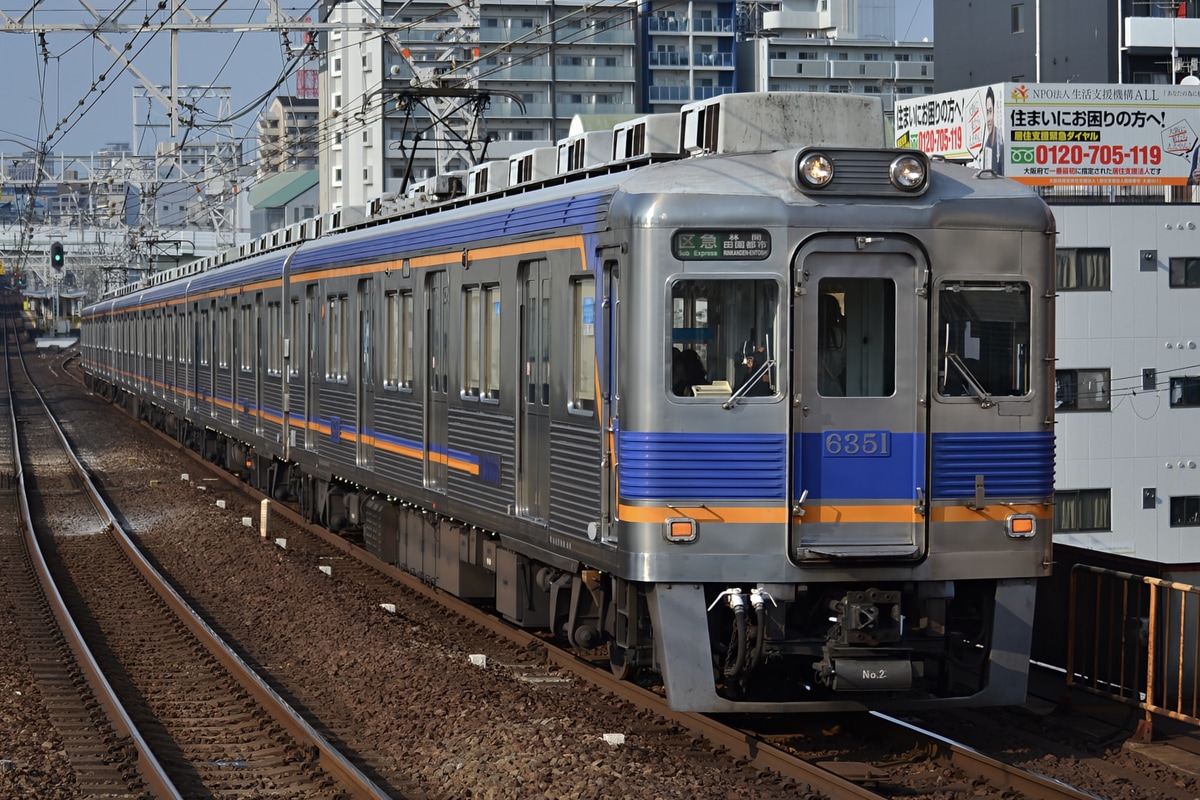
(708, 466)
(891, 471)
(702, 466)
(1012, 464)
(542, 218)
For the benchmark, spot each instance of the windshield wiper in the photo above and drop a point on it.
(745, 387)
(985, 399)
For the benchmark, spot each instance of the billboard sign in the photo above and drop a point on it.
(1062, 134)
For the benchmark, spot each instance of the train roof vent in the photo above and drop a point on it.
(584, 151)
(491, 176)
(651, 135)
(344, 217)
(757, 122)
(446, 186)
(532, 165)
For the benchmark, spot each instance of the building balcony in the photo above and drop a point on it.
(589, 36)
(659, 58)
(685, 94)
(686, 25)
(914, 71)
(607, 74)
(561, 72)
(860, 70)
(515, 72)
(792, 21)
(712, 59)
(798, 68)
(1158, 33)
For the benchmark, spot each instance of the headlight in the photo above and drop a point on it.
(907, 173)
(815, 170)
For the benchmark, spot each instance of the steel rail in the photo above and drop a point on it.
(149, 769)
(328, 757)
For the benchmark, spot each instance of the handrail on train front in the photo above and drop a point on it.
(1144, 636)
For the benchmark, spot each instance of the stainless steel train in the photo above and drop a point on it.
(740, 396)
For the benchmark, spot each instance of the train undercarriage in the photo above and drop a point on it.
(766, 644)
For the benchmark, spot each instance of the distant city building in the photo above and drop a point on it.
(288, 136)
(690, 52)
(1067, 41)
(531, 68)
(282, 200)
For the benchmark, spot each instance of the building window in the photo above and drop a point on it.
(1185, 273)
(1081, 390)
(1018, 18)
(1185, 391)
(1185, 511)
(1084, 269)
(1078, 510)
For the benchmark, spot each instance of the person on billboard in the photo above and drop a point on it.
(993, 137)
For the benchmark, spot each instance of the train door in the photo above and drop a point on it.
(859, 423)
(437, 322)
(313, 312)
(238, 316)
(606, 350)
(366, 374)
(533, 448)
(258, 372)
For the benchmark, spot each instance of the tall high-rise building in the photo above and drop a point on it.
(844, 47)
(454, 84)
(288, 135)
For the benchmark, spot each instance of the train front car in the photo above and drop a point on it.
(833, 421)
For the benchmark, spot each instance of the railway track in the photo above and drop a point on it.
(868, 757)
(182, 715)
(883, 778)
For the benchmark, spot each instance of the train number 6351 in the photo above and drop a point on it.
(858, 443)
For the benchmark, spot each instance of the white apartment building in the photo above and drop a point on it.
(541, 64)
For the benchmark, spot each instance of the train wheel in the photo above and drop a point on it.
(620, 666)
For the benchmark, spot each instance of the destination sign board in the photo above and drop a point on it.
(721, 245)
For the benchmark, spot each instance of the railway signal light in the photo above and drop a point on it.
(57, 257)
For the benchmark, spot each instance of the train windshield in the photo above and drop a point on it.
(983, 339)
(724, 338)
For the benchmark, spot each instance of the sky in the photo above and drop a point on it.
(44, 85)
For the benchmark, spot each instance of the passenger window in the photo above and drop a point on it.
(583, 345)
(983, 339)
(724, 338)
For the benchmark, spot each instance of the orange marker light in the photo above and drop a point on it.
(679, 529)
(1020, 526)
